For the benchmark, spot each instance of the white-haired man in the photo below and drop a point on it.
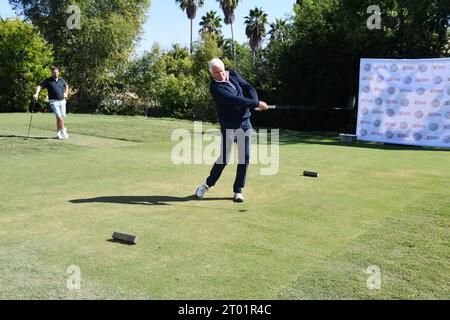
(234, 98)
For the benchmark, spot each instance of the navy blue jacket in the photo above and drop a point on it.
(233, 104)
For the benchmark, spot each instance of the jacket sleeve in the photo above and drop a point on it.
(248, 88)
(223, 97)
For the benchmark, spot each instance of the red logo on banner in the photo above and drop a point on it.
(439, 67)
(394, 79)
(404, 125)
(390, 124)
(422, 80)
(437, 91)
(367, 78)
(408, 68)
(391, 101)
(404, 113)
(376, 133)
(380, 67)
(434, 114)
(418, 125)
(420, 102)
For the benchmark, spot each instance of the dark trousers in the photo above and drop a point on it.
(229, 136)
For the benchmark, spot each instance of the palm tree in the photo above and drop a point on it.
(211, 24)
(228, 7)
(191, 7)
(256, 28)
(278, 30)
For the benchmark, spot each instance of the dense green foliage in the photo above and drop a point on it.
(310, 58)
(26, 59)
(91, 55)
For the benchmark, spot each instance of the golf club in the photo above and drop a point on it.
(276, 106)
(31, 119)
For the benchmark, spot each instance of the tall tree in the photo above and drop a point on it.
(211, 24)
(256, 23)
(26, 59)
(278, 30)
(91, 52)
(228, 7)
(190, 6)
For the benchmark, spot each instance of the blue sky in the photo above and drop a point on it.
(167, 23)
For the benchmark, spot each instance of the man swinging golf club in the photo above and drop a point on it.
(57, 93)
(234, 98)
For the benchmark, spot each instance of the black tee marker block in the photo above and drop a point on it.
(311, 174)
(124, 238)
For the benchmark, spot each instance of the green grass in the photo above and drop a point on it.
(294, 237)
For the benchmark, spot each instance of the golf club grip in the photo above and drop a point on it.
(274, 106)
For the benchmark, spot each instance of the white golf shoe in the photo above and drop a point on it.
(238, 197)
(201, 190)
(65, 134)
(59, 135)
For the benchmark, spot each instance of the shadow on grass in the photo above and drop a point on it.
(25, 137)
(145, 200)
(332, 139)
(121, 242)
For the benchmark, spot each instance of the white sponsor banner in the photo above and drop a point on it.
(405, 101)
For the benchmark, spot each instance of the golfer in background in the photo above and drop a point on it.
(57, 93)
(234, 98)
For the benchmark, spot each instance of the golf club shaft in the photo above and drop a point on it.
(31, 119)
